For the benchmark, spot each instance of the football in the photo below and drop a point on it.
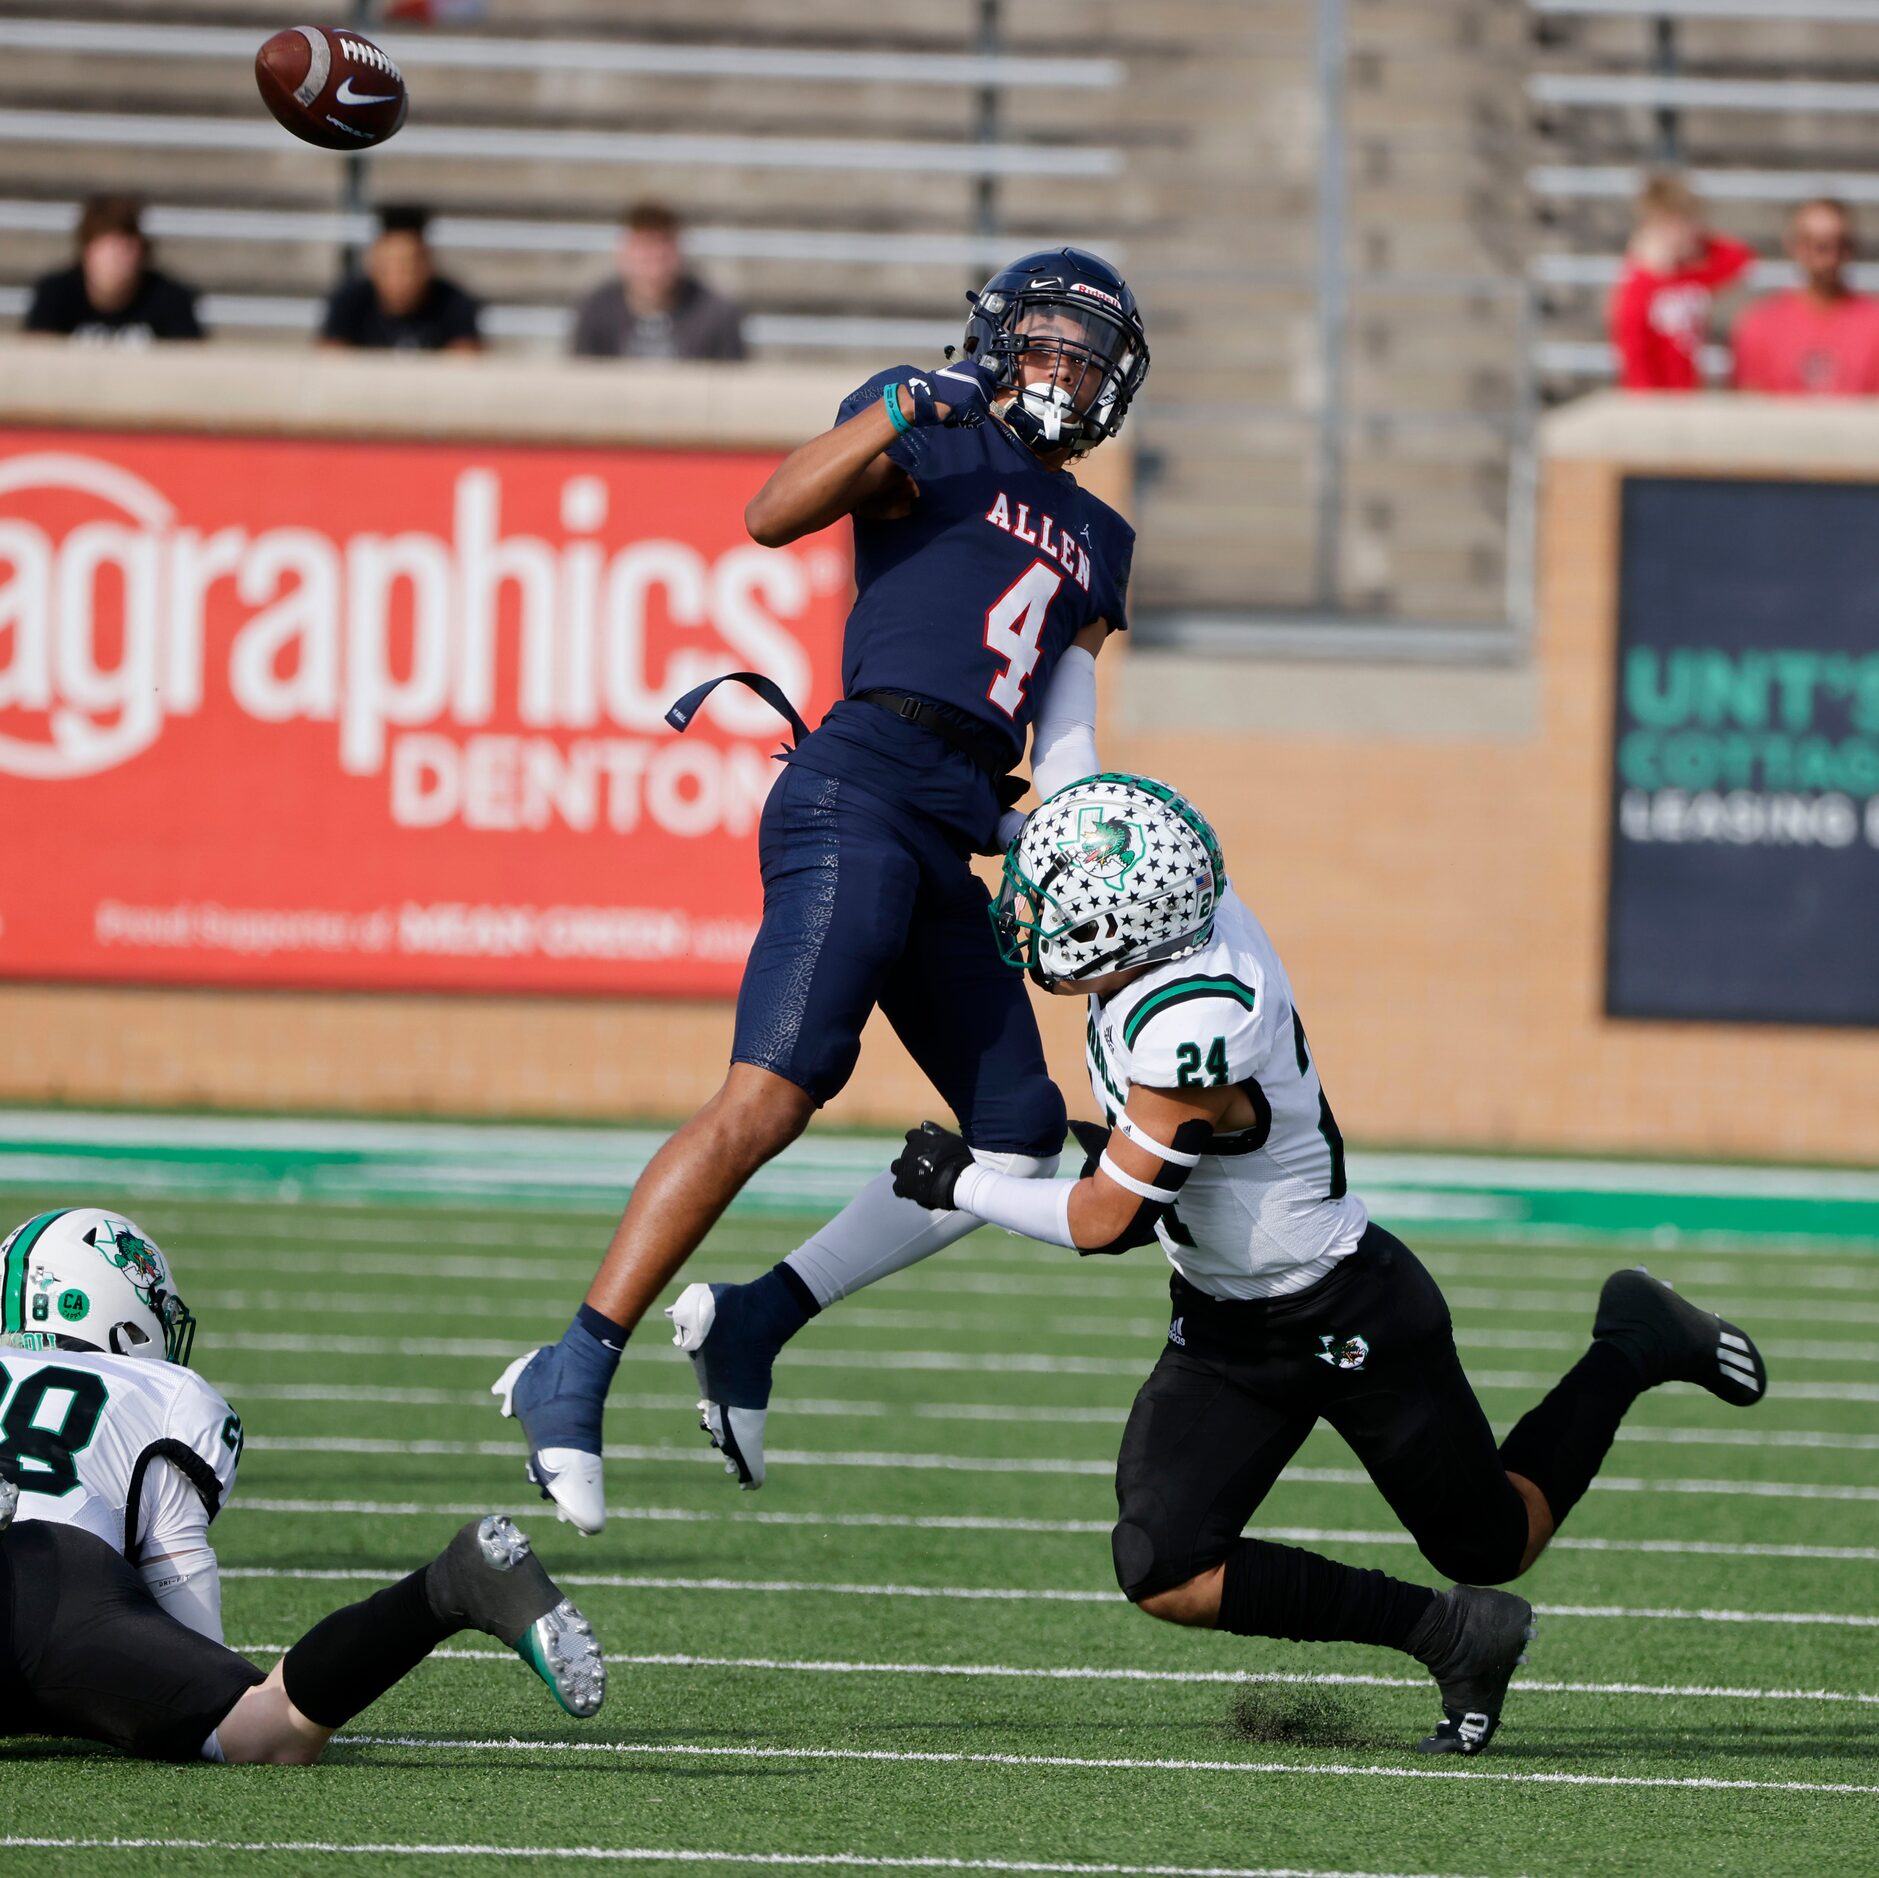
(331, 87)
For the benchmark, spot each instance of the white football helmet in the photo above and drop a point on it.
(84, 1278)
(1113, 871)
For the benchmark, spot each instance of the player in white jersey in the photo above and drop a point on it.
(115, 1457)
(1289, 1304)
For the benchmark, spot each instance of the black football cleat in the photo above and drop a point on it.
(1471, 1642)
(489, 1579)
(1672, 1340)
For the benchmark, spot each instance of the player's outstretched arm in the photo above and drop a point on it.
(1136, 1176)
(846, 470)
(843, 470)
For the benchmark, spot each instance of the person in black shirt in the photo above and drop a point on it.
(401, 303)
(111, 295)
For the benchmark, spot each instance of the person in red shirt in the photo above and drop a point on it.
(1674, 268)
(1822, 337)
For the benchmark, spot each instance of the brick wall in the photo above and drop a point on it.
(1426, 845)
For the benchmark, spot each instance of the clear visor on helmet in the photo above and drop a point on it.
(1082, 353)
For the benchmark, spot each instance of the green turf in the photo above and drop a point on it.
(359, 1343)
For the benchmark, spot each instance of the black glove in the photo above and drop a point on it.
(1092, 1138)
(930, 1165)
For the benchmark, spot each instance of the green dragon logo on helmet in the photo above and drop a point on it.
(136, 1258)
(1103, 846)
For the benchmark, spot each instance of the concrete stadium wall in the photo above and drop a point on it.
(1427, 844)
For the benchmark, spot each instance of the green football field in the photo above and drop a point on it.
(907, 1652)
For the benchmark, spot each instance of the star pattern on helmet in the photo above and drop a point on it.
(1085, 919)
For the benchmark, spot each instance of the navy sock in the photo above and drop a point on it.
(779, 1303)
(602, 1328)
(589, 1356)
(1273, 1590)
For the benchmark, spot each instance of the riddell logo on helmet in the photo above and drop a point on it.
(1096, 293)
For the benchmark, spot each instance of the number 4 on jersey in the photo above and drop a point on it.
(1014, 629)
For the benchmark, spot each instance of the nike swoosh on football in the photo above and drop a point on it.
(346, 95)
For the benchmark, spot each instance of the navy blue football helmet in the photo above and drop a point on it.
(1062, 330)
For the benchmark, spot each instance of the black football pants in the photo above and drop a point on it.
(1369, 1349)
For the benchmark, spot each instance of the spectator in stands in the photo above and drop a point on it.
(1821, 337)
(655, 310)
(401, 303)
(111, 295)
(1674, 268)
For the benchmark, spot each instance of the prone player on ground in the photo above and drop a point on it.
(1289, 1304)
(986, 580)
(117, 1457)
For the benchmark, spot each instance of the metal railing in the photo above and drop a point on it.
(613, 57)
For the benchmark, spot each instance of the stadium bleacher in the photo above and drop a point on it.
(1312, 200)
(1760, 107)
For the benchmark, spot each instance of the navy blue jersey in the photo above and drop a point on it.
(972, 598)
(969, 601)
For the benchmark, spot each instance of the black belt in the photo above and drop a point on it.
(989, 751)
(986, 750)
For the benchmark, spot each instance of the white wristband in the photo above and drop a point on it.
(1163, 1196)
(1143, 1139)
(1040, 1209)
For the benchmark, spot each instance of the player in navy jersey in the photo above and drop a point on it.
(986, 580)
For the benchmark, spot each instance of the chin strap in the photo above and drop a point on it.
(682, 713)
(1041, 432)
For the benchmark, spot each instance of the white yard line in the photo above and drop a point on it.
(1146, 1331)
(857, 1407)
(1749, 1438)
(804, 1666)
(1003, 1363)
(1055, 1528)
(1111, 1763)
(648, 1855)
(1002, 1594)
(553, 1146)
(296, 1343)
(861, 1409)
(1752, 1311)
(979, 1464)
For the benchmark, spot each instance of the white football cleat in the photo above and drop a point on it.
(736, 1432)
(570, 1477)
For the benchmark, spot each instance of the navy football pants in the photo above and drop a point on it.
(860, 909)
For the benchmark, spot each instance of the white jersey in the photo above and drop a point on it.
(140, 1452)
(1266, 1211)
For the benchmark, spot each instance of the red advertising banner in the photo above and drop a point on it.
(389, 716)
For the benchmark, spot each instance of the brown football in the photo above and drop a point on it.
(331, 87)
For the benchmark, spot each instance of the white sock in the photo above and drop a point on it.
(877, 1234)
